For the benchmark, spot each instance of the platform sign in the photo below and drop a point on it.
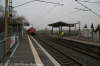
(12, 41)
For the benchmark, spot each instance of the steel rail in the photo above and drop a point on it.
(78, 49)
(55, 49)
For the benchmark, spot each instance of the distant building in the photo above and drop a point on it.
(86, 33)
(92, 35)
(97, 31)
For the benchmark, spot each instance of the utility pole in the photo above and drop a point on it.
(6, 26)
(10, 10)
(8, 14)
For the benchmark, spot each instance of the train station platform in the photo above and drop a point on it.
(94, 43)
(28, 52)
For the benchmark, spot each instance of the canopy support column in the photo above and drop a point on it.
(52, 30)
(69, 28)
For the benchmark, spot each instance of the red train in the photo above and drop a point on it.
(31, 31)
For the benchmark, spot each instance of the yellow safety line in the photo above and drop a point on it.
(36, 56)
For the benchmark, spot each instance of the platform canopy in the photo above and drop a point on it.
(60, 23)
(19, 21)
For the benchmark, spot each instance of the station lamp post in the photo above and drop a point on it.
(6, 19)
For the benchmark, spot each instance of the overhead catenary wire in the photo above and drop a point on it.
(81, 9)
(38, 1)
(50, 2)
(88, 8)
(90, 2)
(53, 8)
(24, 3)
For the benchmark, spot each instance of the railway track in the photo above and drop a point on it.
(62, 58)
(66, 48)
(78, 47)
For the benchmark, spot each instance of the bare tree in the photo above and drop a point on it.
(92, 30)
(85, 26)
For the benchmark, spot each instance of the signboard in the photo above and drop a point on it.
(12, 41)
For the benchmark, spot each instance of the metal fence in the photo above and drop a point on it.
(2, 49)
(4, 45)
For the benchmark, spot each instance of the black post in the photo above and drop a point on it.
(69, 28)
(52, 30)
(75, 27)
(59, 32)
(61, 28)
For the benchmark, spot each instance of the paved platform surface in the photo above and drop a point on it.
(85, 42)
(22, 54)
(26, 53)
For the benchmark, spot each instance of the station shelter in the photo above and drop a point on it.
(60, 25)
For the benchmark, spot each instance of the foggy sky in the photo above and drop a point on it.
(41, 14)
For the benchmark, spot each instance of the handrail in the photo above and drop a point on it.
(4, 40)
